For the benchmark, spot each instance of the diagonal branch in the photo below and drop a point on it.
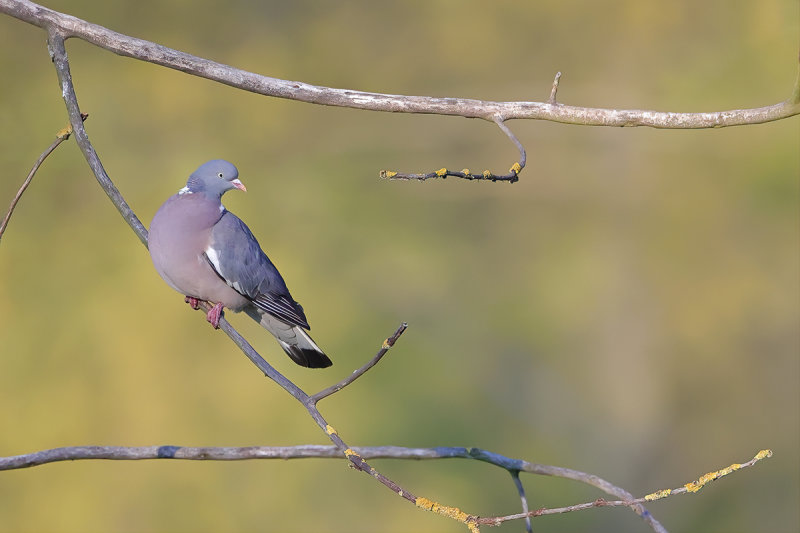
(388, 343)
(55, 44)
(69, 26)
(61, 136)
(61, 62)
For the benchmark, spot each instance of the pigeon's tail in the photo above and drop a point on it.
(305, 351)
(293, 339)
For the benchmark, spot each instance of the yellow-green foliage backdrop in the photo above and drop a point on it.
(629, 308)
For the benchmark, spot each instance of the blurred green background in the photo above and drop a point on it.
(630, 308)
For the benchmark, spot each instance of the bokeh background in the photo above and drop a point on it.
(630, 308)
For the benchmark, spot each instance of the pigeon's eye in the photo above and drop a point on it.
(220, 174)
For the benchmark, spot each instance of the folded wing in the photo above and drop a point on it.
(236, 256)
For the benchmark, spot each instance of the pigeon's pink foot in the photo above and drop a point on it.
(193, 302)
(214, 314)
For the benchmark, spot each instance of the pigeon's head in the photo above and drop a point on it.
(214, 178)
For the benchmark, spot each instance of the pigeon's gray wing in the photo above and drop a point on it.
(236, 256)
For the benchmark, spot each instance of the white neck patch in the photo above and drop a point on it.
(185, 190)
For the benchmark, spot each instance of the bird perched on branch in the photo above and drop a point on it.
(205, 252)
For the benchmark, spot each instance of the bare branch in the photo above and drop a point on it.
(692, 486)
(61, 136)
(69, 26)
(523, 158)
(356, 460)
(388, 343)
(523, 497)
(384, 452)
(555, 471)
(554, 90)
(136, 453)
(55, 43)
(268, 370)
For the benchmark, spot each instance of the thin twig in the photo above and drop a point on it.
(61, 136)
(352, 456)
(558, 471)
(554, 90)
(522, 497)
(388, 343)
(143, 50)
(512, 176)
(523, 158)
(692, 486)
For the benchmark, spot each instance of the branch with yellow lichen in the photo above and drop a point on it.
(355, 457)
(705, 479)
(454, 513)
(511, 177)
(118, 453)
(692, 486)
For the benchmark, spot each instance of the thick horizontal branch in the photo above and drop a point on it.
(69, 26)
(233, 453)
(384, 452)
(134, 453)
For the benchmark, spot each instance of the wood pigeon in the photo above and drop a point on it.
(205, 252)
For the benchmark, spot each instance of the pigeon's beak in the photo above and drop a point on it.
(239, 185)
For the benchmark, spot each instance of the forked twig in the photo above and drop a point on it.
(692, 486)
